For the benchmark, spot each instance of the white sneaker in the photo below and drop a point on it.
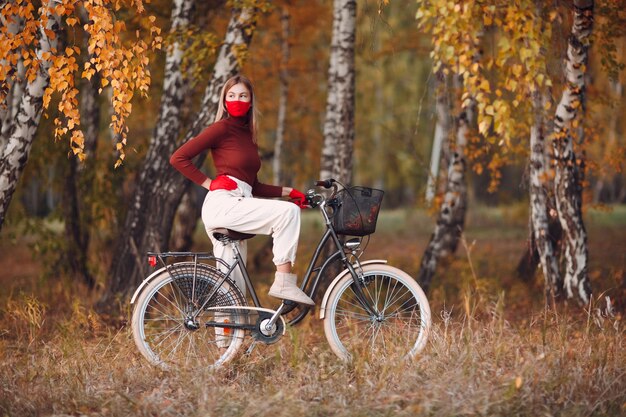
(285, 288)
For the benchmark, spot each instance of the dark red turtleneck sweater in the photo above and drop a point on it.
(234, 153)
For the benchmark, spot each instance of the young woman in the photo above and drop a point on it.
(232, 201)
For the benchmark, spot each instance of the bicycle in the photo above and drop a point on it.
(191, 312)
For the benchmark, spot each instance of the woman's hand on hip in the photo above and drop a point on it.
(222, 182)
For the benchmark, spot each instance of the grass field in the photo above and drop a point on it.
(494, 349)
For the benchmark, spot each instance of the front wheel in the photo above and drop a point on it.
(181, 319)
(399, 326)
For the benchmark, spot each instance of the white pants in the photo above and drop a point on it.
(239, 211)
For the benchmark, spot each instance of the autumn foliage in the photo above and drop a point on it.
(117, 54)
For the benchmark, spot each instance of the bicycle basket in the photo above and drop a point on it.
(358, 211)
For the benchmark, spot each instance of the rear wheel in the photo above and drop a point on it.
(170, 327)
(399, 327)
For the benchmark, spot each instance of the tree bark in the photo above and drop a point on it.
(127, 266)
(442, 128)
(79, 184)
(568, 170)
(451, 217)
(282, 96)
(337, 150)
(17, 149)
(542, 204)
(11, 89)
(185, 222)
(160, 188)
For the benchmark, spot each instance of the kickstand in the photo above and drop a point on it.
(250, 348)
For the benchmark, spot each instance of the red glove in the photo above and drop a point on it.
(222, 182)
(298, 198)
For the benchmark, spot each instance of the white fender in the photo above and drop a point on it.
(146, 282)
(341, 275)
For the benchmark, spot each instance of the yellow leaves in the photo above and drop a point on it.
(547, 105)
(484, 125)
(50, 34)
(540, 78)
(88, 73)
(525, 53)
(504, 44)
(553, 15)
(511, 84)
(484, 85)
(121, 62)
(46, 97)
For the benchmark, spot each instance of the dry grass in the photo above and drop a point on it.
(493, 351)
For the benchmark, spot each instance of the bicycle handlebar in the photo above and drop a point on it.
(314, 199)
(325, 183)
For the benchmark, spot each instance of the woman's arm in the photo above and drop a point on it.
(182, 158)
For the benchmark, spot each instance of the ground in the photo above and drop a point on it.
(494, 349)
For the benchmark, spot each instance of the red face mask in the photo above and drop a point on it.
(237, 108)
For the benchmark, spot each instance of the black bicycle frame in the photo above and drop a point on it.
(287, 306)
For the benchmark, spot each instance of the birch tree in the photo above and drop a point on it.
(442, 129)
(29, 105)
(34, 67)
(283, 93)
(542, 203)
(451, 215)
(337, 149)
(80, 178)
(518, 62)
(466, 71)
(149, 222)
(568, 170)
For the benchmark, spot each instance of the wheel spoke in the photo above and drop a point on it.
(160, 326)
(395, 329)
(389, 297)
(400, 296)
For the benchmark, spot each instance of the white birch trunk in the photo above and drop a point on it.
(282, 97)
(568, 187)
(451, 217)
(150, 219)
(540, 209)
(15, 153)
(162, 144)
(338, 144)
(442, 128)
(11, 91)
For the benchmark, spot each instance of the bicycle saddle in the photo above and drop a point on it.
(226, 235)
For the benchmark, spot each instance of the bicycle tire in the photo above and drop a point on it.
(400, 328)
(159, 319)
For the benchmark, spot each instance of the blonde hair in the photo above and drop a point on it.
(222, 113)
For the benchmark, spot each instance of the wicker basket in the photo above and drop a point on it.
(358, 211)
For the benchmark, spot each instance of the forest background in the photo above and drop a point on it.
(67, 344)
